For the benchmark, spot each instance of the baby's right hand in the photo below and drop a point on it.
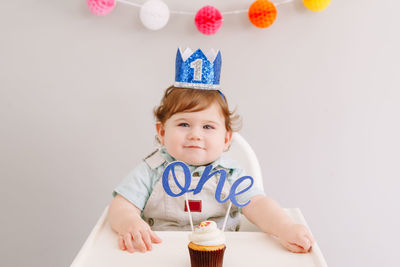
(136, 235)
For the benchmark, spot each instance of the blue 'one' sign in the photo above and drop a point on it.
(204, 178)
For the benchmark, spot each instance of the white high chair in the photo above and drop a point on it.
(101, 236)
(242, 152)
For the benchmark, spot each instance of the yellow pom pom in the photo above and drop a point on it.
(316, 5)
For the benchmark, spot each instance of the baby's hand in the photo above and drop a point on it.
(136, 235)
(296, 238)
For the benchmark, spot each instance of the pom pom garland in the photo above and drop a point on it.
(208, 20)
(154, 14)
(262, 13)
(316, 5)
(100, 7)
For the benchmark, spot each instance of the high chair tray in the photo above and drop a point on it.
(242, 249)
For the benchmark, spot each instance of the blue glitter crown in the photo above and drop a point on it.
(197, 70)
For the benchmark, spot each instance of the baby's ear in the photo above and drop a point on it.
(160, 132)
(228, 139)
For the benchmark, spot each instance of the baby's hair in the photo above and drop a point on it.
(177, 100)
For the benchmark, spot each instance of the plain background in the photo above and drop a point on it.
(319, 95)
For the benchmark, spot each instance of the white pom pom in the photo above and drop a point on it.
(154, 14)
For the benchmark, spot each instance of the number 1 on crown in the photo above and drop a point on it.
(197, 65)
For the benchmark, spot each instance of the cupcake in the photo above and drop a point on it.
(207, 245)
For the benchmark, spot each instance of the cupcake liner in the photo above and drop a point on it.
(212, 258)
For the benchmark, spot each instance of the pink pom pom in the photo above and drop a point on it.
(208, 20)
(100, 7)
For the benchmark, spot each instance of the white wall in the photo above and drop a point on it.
(319, 95)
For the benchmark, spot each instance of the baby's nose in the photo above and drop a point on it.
(195, 134)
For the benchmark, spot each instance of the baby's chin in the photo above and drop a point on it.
(196, 161)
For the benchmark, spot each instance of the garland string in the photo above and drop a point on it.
(194, 13)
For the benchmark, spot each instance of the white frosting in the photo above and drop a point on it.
(207, 234)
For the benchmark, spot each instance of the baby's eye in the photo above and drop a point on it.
(208, 127)
(183, 124)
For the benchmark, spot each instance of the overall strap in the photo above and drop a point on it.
(155, 159)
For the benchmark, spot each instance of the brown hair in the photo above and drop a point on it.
(177, 100)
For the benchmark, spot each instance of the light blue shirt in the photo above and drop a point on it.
(138, 185)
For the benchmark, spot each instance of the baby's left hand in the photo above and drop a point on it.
(296, 238)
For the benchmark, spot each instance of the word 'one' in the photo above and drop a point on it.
(204, 178)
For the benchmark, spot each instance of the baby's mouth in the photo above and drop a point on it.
(194, 147)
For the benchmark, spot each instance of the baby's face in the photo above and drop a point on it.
(196, 138)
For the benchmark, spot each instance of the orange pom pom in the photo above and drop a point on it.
(262, 13)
